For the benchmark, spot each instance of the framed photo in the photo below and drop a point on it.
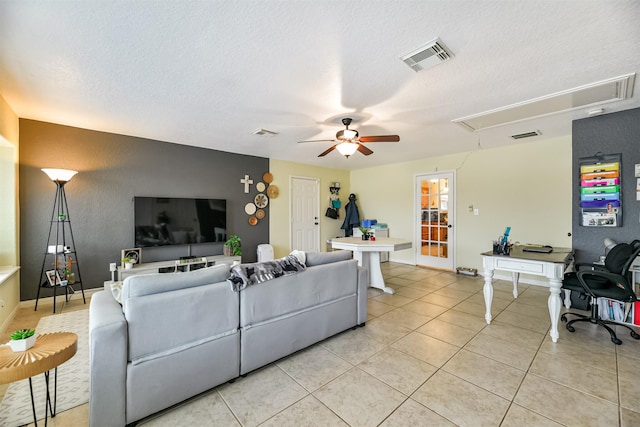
(53, 277)
(134, 253)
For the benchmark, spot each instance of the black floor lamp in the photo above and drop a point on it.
(65, 271)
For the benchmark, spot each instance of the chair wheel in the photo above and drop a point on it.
(616, 341)
(571, 328)
(563, 317)
(635, 335)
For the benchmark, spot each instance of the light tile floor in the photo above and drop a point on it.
(427, 357)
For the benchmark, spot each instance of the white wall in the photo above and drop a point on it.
(9, 222)
(526, 186)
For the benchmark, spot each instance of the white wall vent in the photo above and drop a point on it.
(526, 134)
(427, 55)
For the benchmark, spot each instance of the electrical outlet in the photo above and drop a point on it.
(476, 211)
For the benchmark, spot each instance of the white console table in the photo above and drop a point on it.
(154, 267)
(551, 266)
(368, 255)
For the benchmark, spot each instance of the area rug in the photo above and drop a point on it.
(73, 375)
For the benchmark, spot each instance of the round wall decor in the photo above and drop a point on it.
(260, 214)
(261, 200)
(250, 208)
(267, 177)
(273, 191)
(253, 220)
(260, 187)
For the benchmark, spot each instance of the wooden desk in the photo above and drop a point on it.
(49, 352)
(550, 265)
(368, 255)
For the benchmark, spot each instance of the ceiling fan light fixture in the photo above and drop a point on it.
(347, 135)
(347, 148)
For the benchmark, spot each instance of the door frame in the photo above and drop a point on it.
(291, 204)
(417, 207)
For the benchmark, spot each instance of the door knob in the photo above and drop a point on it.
(449, 226)
(315, 223)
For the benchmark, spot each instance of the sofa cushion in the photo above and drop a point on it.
(319, 258)
(149, 284)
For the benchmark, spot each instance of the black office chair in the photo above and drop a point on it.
(611, 280)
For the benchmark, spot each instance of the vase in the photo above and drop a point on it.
(23, 345)
(226, 250)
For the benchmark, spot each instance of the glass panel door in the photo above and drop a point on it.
(435, 195)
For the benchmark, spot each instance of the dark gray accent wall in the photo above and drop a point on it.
(112, 169)
(610, 134)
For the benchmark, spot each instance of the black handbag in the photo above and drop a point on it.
(331, 213)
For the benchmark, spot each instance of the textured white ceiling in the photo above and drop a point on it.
(208, 73)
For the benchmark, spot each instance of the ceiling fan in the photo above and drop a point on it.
(348, 141)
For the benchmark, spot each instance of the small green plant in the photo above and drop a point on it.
(126, 260)
(235, 244)
(22, 334)
(364, 230)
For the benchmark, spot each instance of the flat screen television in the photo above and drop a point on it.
(161, 221)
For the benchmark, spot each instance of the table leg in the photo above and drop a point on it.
(33, 404)
(488, 293)
(567, 298)
(514, 277)
(375, 273)
(554, 307)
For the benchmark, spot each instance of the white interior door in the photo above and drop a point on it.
(435, 202)
(305, 214)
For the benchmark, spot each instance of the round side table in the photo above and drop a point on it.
(49, 352)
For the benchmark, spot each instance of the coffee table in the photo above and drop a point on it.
(49, 352)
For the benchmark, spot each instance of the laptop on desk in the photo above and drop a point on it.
(537, 248)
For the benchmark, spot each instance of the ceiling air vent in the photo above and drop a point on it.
(428, 55)
(526, 134)
(587, 96)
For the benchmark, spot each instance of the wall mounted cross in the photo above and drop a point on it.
(247, 182)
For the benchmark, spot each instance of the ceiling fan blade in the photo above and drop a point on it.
(364, 150)
(324, 153)
(380, 138)
(316, 140)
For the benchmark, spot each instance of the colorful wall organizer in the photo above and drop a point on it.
(600, 191)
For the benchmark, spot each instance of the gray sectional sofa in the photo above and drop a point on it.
(176, 335)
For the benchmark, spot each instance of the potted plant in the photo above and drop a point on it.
(365, 232)
(22, 339)
(128, 263)
(233, 246)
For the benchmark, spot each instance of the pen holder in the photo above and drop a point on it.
(502, 248)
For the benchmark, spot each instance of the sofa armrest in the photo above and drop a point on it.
(107, 361)
(363, 285)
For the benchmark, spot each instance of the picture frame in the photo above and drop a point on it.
(133, 253)
(53, 277)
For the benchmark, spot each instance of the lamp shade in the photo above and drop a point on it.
(59, 175)
(347, 148)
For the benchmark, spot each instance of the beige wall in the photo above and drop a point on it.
(9, 218)
(526, 186)
(279, 225)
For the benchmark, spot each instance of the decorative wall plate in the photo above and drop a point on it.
(250, 208)
(273, 191)
(260, 187)
(260, 214)
(261, 200)
(253, 220)
(267, 177)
